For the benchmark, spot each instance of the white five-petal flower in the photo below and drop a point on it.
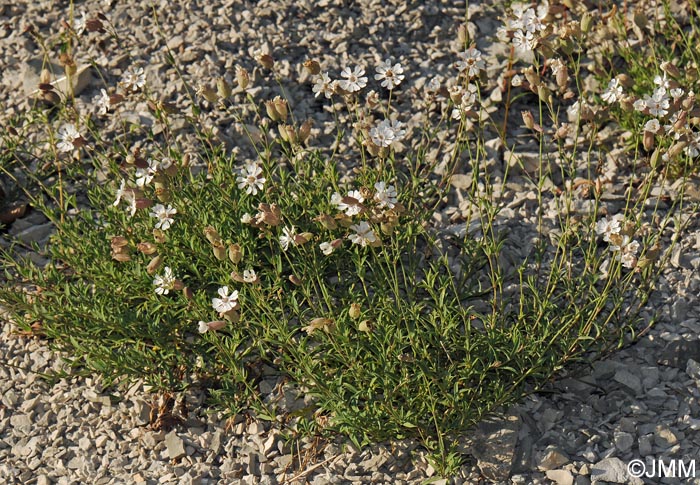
(287, 237)
(68, 134)
(354, 80)
(364, 234)
(165, 282)
(163, 214)
(385, 196)
(390, 76)
(227, 302)
(250, 179)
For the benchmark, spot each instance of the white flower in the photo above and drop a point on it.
(639, 105)
(128, 195)
(693, 148)
(613, 93)
(120, 193)
(68, 134)
(163, 215)
(390, 76)
(471, 62)
(626, 250)
(396, 127)
(164, 283)
(524, 41)
(326, 248)
(145, 175)
(79, 24)
(350, 204)
(658, 103)
(364, 234)
(433, 85)
(324, 86)
(246, 218)
(227, 302)
(250, 179)
(652, 125)
(382, 135)
(249, 276)
(203, 327)
(102, 101)
(387, 132)
(287, 237)
(385, 195)
(354, 80)
(662, 81)
(607, 227)
(467, 103)
(134, 79)
(676, 93)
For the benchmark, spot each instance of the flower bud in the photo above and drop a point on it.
(119, 242)
(327, 222)
(235, 276)
(212, 236)
(159, 236)
(265, 60)
(232, 316)
(163, 194)
(223, 88)
(562, 77)
(271, 111)
(188, 293)
(178, 285)
(344, 220)
(122, 257)
(365, 326)
(45, 76)
(586, 22)
(676, 149)
(528, 120)
(670, 69)
(294, 280)
(312, 66)
(219, 252)
(532, 77)
(355, 311)
(143, 203)
(303, 238)
(462, 34)
(235, 254)
(154, 264)
(147, 248)
(456, 94)
(281, 107)
(208, 93)
(242, 77)
(304, 131)
(648, 140)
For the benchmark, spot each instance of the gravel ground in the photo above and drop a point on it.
(640, 403)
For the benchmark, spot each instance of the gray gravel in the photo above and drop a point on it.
(641, 402)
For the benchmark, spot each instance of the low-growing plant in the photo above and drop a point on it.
(194, 266)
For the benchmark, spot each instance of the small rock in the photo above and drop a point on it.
(36, 234)
(623, 441)
(560, 477)
(175, 445)
(552, 458)
(84, 443)
(629, 380)
(43, 480)
(664, 437)
(692, 368)
(496, 446)
(613, 470)
(253, 465)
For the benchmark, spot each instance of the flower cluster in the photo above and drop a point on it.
(620, 238)
(525, 28)
(351, 81)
